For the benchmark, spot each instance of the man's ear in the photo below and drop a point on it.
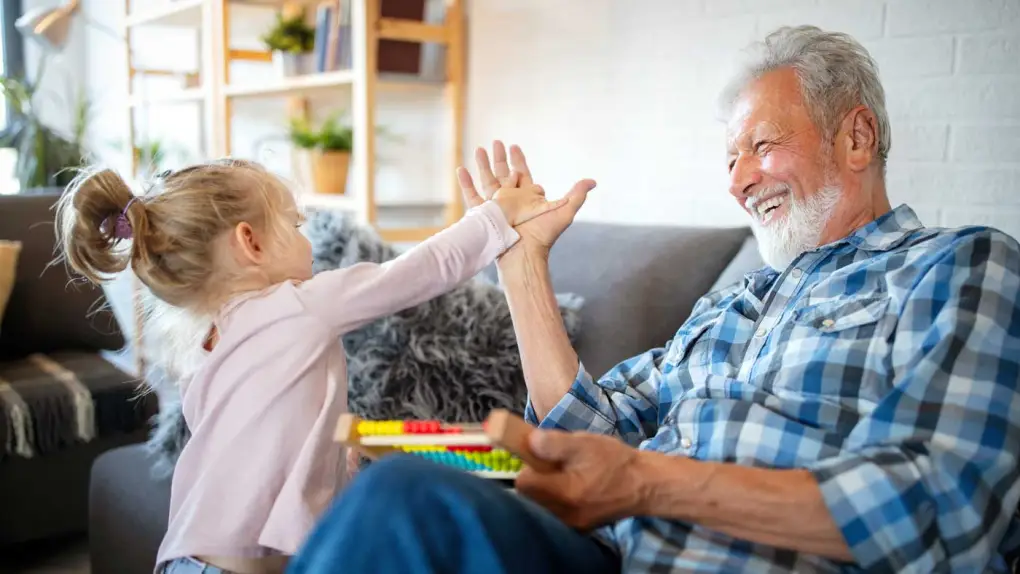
(249, 247)
(860, 134)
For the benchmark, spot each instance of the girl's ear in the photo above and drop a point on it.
(249, 247)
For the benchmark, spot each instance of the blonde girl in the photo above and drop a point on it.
(222, 240)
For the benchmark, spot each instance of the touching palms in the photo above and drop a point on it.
(542, 231)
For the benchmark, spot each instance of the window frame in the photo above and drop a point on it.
(14, 53)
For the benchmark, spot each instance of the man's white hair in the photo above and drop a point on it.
(836, 74)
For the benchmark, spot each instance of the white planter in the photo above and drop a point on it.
(289, 64)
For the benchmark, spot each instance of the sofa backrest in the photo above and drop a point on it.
(639, 282)
(47, 311)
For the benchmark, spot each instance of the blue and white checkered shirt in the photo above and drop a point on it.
(886, 363)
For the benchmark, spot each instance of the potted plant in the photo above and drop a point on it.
(47, 158)
(291, 41)
(329, 152)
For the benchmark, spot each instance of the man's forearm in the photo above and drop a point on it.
(547, 357)
(780, 508)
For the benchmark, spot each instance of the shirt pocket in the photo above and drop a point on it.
(689, 346)
(841, 314)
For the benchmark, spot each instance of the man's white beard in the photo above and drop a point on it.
(799, 231)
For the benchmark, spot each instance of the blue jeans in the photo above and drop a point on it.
(189, 566)
(406, 515)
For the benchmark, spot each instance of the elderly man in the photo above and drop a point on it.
(853, 405)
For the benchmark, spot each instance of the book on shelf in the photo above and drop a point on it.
(333, 38)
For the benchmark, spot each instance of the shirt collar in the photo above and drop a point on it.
(887, 231)
(884, 233)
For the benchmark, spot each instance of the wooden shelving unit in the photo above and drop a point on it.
(217, 94)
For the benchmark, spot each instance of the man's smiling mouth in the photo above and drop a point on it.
(767, 209)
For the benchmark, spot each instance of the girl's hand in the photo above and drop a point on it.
(519, 204)
(352, 463)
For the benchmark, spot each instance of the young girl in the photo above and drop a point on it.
(221, 240)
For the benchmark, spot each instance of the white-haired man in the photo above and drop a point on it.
(853, 405)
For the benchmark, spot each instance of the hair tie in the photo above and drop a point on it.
(121, 225)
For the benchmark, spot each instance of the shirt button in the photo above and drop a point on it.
(685, 443)
(796, 273)
(762, 331)
(828, 324)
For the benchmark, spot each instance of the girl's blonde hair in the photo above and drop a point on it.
(173, 230)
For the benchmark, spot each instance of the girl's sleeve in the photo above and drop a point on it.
(353, 296)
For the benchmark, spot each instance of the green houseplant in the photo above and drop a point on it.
(329, 152)
(47, 158)
(291, 41)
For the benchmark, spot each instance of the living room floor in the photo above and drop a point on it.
(67, 556)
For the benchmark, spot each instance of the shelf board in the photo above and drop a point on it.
(168, 13)
(296, 84)
(347, 202)
(168, 97)
(329, 201)
(277, 3)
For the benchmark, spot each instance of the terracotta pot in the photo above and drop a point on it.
(329, 171)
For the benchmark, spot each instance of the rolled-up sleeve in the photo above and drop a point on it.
(930, 477)
(622, 403)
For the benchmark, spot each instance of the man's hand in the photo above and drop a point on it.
(597, 481)
(540, 233)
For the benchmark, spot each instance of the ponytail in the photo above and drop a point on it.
(96, 215)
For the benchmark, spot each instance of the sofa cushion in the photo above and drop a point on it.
(746, 260)
(639, 283)
(9, 251)
(46, 311)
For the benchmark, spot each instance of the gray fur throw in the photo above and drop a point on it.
(453, 358)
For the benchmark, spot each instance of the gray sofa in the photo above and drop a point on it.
(52, 329)
(639, 285)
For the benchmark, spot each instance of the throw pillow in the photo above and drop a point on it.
(9, 252)
(453, 358)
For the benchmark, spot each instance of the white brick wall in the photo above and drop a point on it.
(624, 91)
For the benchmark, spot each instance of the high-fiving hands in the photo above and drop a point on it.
(539, 231)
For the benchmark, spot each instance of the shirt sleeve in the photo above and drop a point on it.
(931, 481)
(353, 296)
(623, 403)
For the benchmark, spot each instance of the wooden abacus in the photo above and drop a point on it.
(496, 448)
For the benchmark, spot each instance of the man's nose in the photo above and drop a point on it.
(744, 176)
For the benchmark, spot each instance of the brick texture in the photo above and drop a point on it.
(647, 130)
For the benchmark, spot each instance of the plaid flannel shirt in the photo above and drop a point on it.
(887, 364)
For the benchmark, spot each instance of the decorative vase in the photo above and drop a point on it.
(290, 64)
(329, 171)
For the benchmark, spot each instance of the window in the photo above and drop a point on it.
(11, 57)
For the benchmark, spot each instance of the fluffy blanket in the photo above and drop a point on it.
(453, 358)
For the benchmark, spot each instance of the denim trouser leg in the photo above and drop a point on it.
(407, 515)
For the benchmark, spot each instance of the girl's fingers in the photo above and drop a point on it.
(519, 163)
(499, 161)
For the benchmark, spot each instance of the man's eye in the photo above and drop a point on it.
(758, 145)
(732, 163)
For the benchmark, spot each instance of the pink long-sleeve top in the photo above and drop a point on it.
(261, 464)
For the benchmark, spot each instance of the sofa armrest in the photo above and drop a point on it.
(128, 510)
